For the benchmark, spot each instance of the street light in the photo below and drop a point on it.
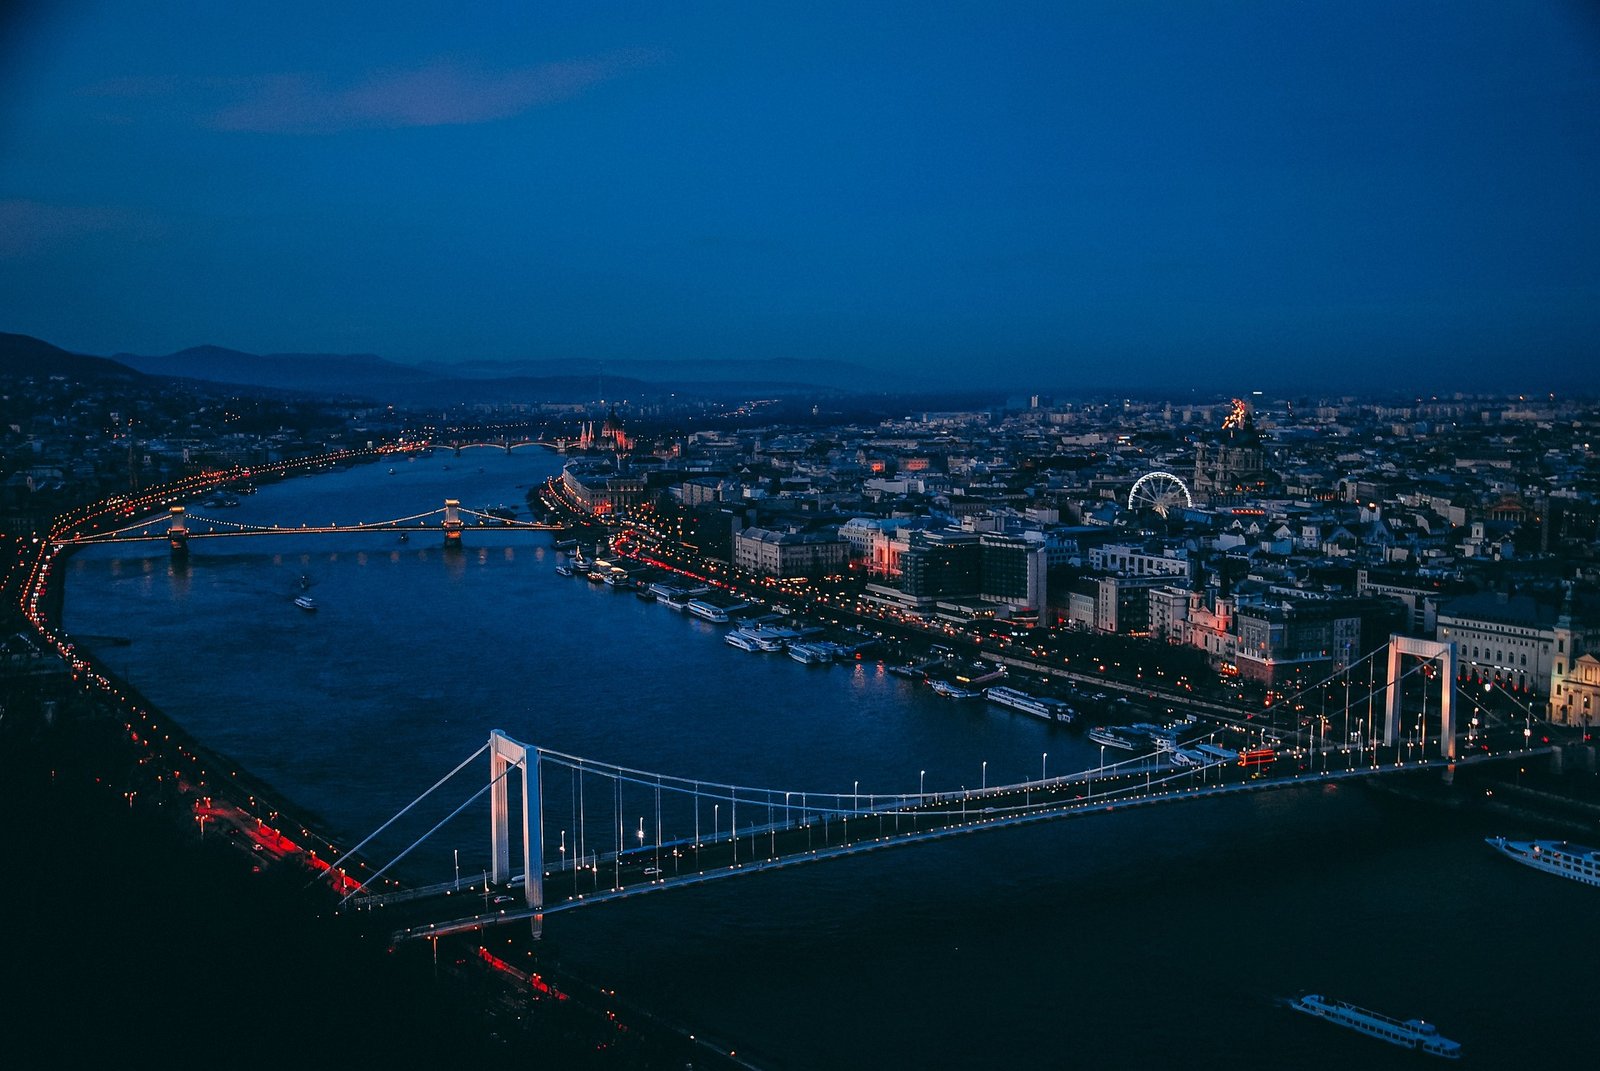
(1042, 760)
(983, 784)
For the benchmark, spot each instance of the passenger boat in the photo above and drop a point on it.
(741, 639)
(1165, 737)
(810, 654)
(305, 602)
(1408, 1034)
(1101, 734)
(707, 610)
(1039, 707)
(1553, 857)
(951, 691)
(564, 570)
(767, 638)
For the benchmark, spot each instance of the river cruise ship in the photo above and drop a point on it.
(741, 639)
(708, 610)
(1048, 709)
(810, 654)
(1409, 1034)
(1118, 738)
(1553, 857)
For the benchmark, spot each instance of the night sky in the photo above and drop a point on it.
(1054, 195)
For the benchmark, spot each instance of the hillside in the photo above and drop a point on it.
(24, 355)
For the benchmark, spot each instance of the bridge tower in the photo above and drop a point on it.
(452, 522)
(504, 753)
(178, 532)
(1446, 653)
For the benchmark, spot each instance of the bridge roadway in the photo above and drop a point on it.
(154, 528)
(820, 835)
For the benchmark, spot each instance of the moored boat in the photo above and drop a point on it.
(1110, 737)
(953, 691)
(709, 611)
(1038, 706)
(741, 639)
(810, 654)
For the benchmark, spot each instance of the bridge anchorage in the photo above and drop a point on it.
(178, 533)
(452, 523)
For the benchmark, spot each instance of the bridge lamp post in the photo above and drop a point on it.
(715, 807)
(983, 785)
(1042, 760)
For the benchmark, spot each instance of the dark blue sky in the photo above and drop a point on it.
(1118, 193)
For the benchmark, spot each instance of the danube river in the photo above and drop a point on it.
(1155, 938)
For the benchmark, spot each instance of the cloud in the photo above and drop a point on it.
(27, 227)
(444, 93)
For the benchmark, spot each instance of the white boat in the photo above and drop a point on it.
(951, 691)
(1213, 753)
(305, 602)
(1553, 857)
(1039, 707)
(771, 639)
(1164, 737)
(707, 610)
(741, 639)
(1408, 1034)
(564, 570)
(1100, 734)
(810, 654)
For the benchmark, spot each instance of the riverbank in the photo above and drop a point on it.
(203, 922)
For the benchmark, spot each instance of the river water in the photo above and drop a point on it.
(1139, 939)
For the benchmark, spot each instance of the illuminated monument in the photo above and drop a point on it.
(1232, 466)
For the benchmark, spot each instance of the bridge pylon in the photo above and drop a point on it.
(178, 532)
(504, 753)
(1429, 649)
(452, 522)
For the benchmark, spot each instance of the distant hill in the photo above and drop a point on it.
(370, 377)
(784, 373)
(24, 355)
(338, 373)
(365, 375)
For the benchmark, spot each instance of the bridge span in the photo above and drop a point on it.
(179, 527)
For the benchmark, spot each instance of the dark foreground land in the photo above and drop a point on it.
(131, 938)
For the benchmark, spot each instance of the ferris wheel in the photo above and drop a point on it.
(1160, 491)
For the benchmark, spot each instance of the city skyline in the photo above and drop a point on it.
(1318, 198)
